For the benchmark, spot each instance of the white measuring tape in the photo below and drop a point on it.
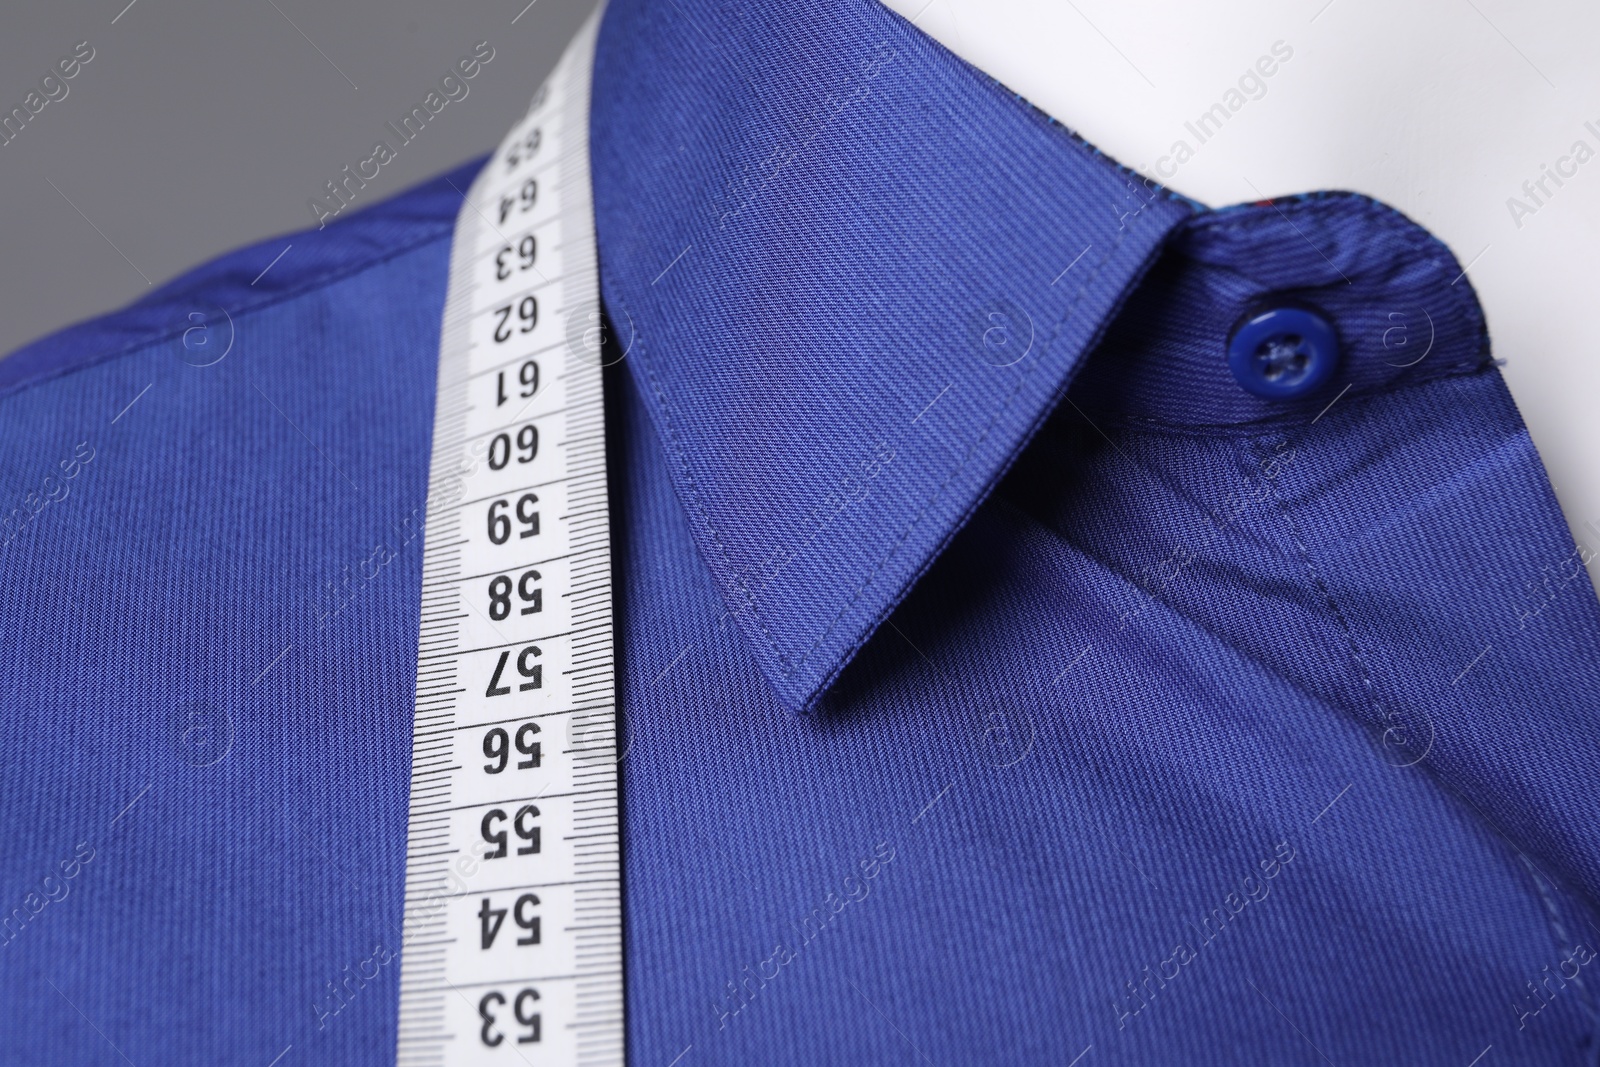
(512, 948)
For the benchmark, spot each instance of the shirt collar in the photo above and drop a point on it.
(855, 275)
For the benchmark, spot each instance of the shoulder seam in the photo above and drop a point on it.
(156, 337)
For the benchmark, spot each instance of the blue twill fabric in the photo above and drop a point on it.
(1001, 681)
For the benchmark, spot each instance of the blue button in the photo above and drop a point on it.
(1283, 353)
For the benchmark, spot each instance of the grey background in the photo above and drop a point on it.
(199, 127)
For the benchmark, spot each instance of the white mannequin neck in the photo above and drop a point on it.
(1426, 105)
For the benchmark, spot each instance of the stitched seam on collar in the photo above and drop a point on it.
(971, 450)
(738, 584)
(696, 503)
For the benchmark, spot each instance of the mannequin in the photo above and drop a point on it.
(1477, 118)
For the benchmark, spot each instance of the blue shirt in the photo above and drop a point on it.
(1000, 681)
